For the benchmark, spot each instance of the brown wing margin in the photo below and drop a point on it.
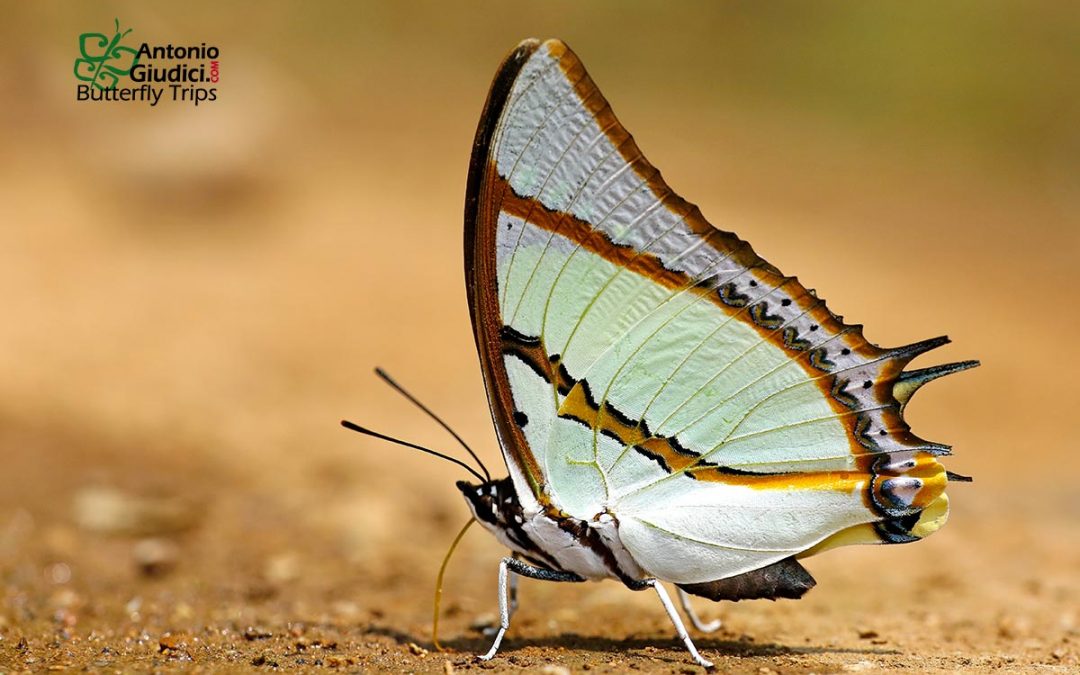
(481, 218)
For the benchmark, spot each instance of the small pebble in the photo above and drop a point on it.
(132, 608)
(417, 649)
(252, 633)
(167, 642)
(173, 647)
(154, 556)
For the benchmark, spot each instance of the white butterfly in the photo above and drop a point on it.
(670, 406)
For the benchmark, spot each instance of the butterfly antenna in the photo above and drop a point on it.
(401, 390)
(438, 585)
(368, 432)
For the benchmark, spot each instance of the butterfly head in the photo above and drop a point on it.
(494, 503)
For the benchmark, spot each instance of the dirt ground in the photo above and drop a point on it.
(191, 301)
(262, 580)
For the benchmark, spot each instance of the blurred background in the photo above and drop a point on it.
(194, 296)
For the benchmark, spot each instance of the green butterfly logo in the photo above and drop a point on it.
(109, 61)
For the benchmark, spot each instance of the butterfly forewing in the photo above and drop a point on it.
(641, 362)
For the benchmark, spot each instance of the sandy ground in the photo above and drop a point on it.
(209, 570)
(192, 302)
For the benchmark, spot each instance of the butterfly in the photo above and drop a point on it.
(670, 406)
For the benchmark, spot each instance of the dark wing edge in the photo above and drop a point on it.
(481, 217)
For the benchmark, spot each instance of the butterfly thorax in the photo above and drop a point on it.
(550, 539)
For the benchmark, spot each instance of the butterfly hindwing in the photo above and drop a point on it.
(642, 363)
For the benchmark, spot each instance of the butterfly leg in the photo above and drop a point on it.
(684, 600)
(510, 566)
(513, 594)
(492, 630)
(675, 619)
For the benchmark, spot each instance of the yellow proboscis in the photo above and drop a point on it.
(439, 582)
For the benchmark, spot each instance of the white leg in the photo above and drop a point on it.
(513, 594)
(493, 630)
(679, 627)
(504, 612)
(684, 600)
(509, 570)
